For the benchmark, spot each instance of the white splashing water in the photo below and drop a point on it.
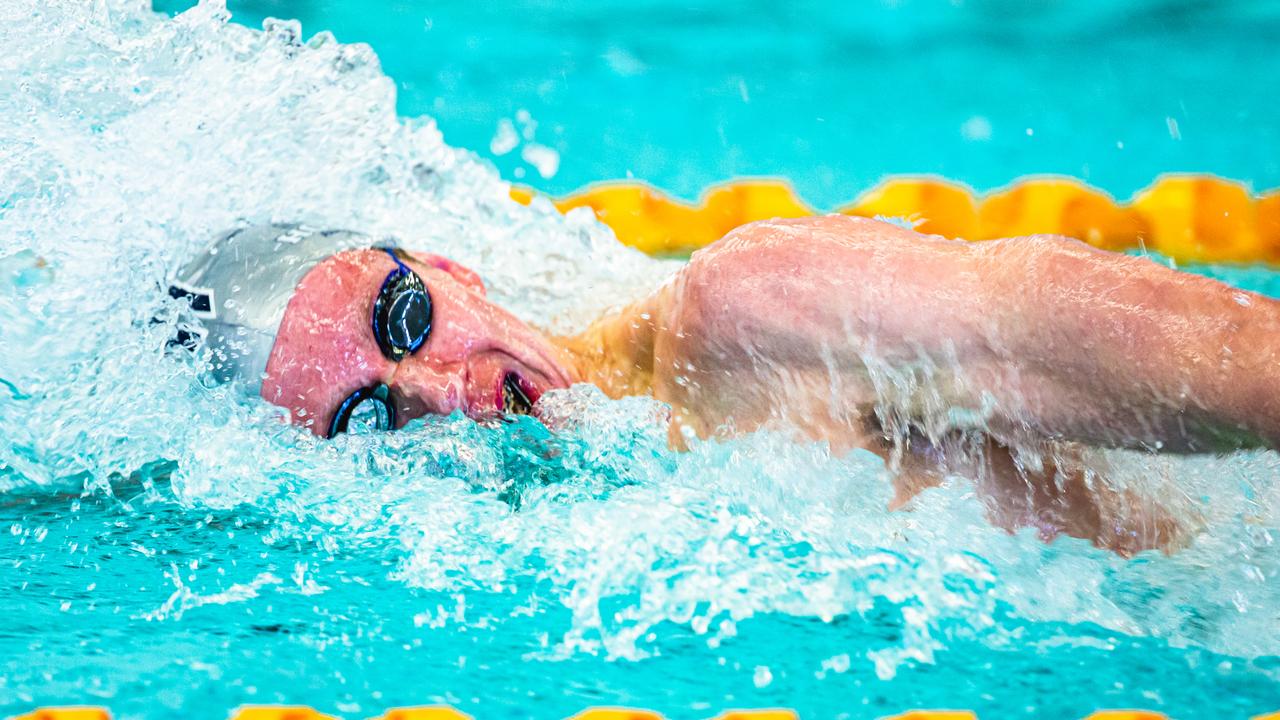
(131, 138)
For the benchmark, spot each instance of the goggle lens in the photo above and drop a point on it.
(401, 324)
(365, 410)
(402, 312)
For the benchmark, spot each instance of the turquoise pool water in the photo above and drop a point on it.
(832, 95)
(172, 549)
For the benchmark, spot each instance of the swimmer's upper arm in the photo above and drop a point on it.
(829, 281)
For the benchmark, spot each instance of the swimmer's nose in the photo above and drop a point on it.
(421, 389)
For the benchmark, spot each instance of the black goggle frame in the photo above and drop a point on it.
(402, 312)
(379, 394)
(402, 315)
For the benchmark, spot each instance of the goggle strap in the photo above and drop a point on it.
(398, 257)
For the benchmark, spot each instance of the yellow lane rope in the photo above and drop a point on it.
(297, 712)
(1186, 217)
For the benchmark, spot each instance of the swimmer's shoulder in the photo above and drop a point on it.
(824, 244)
(823, 233)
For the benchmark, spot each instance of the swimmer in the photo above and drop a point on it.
(1003, 361)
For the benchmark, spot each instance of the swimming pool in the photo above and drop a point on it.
(172, 548)
(830, 95)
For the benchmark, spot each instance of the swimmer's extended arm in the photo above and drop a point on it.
(996, 361)
(840, 325)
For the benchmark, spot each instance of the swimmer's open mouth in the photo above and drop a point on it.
(514, 399)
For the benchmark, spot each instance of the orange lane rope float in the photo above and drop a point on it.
(297, 712)
(1190, 218)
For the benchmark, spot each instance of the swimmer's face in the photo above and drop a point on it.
(326, 349)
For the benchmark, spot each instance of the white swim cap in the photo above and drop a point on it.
(240, 286)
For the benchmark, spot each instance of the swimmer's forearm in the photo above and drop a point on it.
(1133, 353)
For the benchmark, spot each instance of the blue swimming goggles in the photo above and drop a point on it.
(401, 324)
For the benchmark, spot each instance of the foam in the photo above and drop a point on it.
(130, 138)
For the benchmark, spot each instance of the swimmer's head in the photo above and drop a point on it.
(333, 326)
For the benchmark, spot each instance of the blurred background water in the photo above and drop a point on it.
(171, 548)
(831, 95)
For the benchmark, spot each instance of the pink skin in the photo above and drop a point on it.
(981, 356)
(325, 349)
(1042, 337)
(827, 325)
